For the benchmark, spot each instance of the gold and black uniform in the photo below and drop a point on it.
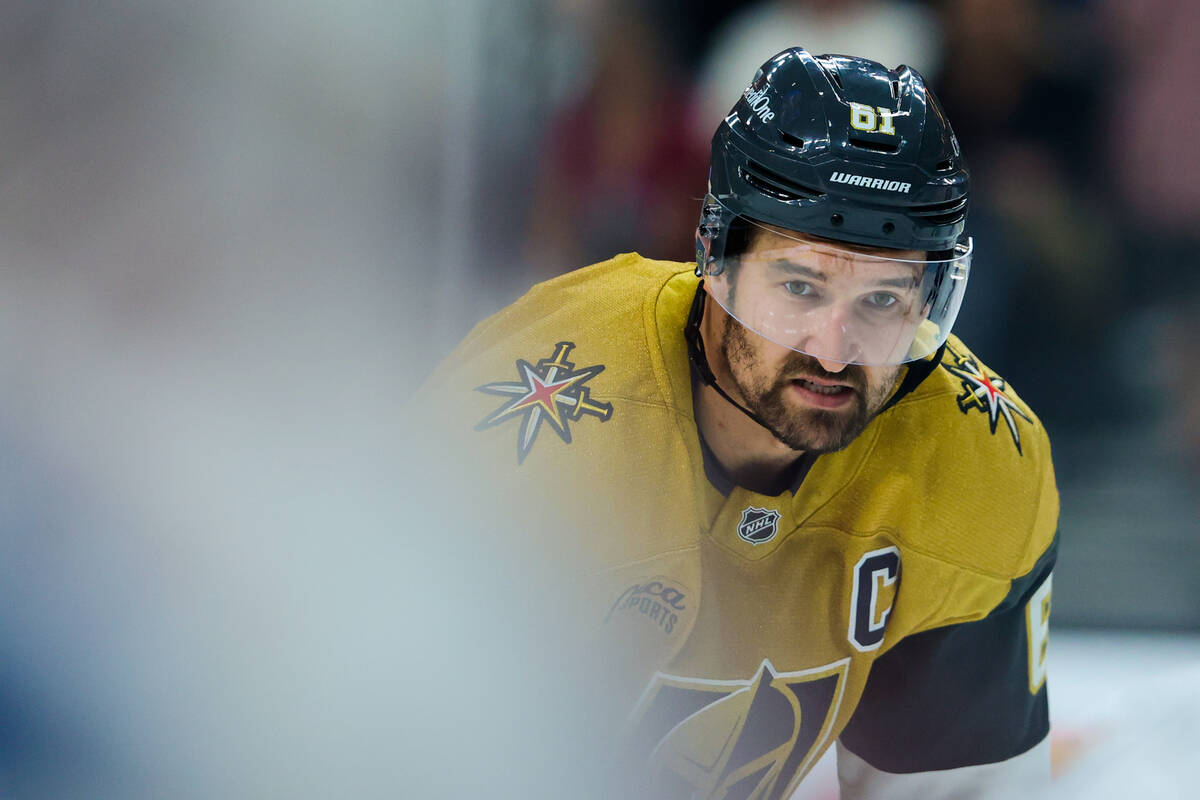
(896, 598)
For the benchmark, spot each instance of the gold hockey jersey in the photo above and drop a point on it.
(897, 597)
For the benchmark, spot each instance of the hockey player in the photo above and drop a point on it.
(796, 511)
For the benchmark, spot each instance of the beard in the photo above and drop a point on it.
(811, 430)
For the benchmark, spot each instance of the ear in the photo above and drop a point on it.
(718, 281)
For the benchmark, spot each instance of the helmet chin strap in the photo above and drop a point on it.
(699, 358)
(916, 372)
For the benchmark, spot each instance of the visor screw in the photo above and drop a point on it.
(836, 220)
(888, 227)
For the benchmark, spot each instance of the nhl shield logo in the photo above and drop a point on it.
(758, 525)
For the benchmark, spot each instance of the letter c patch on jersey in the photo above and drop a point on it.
(875, 572)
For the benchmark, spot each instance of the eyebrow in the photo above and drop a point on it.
(800, 269)
(797, 269)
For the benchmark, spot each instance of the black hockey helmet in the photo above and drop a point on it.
(843, 149)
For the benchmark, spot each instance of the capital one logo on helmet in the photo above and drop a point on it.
(759, 103)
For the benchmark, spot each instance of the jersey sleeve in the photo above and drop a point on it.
(963, 695)
(1025, 775)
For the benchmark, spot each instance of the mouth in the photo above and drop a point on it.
(823, 394)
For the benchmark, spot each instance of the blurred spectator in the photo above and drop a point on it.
(690, 26)
(892, 32)
(1180, 375)
(1024, 100)
(1156, 169)
(619, 170)
(1155, 105)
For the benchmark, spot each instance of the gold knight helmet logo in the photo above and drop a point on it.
(753, 739)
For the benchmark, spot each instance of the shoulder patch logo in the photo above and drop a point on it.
(552, 391)
(758, 525)
(985, 392)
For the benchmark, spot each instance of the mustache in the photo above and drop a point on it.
(805, 366)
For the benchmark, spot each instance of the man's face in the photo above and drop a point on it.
(835, 302)
(806, 406)
(815, 402)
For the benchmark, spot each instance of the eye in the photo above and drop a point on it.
(799, 288)
(881, 300)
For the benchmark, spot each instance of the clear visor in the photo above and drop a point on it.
(833, 301)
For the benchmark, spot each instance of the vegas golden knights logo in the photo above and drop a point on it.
(748, 739)
(986, 392)
(552, 391)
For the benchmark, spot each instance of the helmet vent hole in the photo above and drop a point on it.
(794, 141)
(836, 220)
(895, 89)
(888, 227)
(950, 212)
(878, 147)
(943, 166)
(775, 185)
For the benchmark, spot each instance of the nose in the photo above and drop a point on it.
(831, 366)
(831, 340)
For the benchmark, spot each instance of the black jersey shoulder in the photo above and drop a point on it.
(958, 695)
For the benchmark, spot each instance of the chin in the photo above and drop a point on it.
(819, 431)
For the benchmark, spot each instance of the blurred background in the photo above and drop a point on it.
(234, 237)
